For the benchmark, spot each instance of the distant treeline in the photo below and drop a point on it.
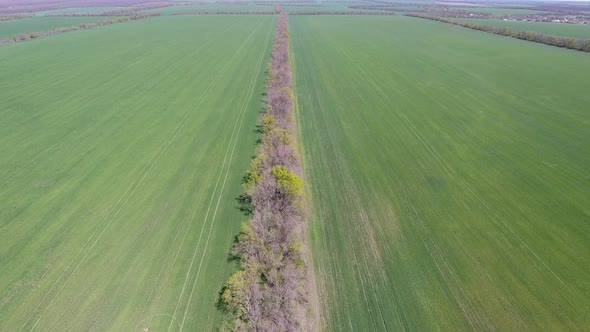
(271, 290)
(81, 26)
(388, 8)
(121, 12)
(20, 6)
(15, 17)
(341, 13)
(303, 4)
(559, 41)
(246, 3)
(129, 11)
(222, 12)
(288, 2)
(10, 7)
(444, 11)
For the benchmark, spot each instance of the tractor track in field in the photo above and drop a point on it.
(244, 107)
(72, 136)
(124, 199)
(314, 298)
(234, 138)
(173, 262)
(199, 197)
(368, 231)
(444, 268)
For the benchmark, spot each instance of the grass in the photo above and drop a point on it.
(37, 24)
(558, 29)
(122, 151)
(448, 173)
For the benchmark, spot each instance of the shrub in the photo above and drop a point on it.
(288, 181)
(255, 173)
(268, 122)
(237, 290)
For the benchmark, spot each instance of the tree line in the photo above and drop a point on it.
(538, 37)
(270, 290)
(386, 13)
(81, 26)
(15, 17)
(387, 8)
(21, 6)
(223, 12)
(133, 10)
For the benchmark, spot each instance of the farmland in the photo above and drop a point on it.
(122, 152)
(374, 170)
(448, 176)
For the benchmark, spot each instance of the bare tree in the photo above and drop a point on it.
(268, 293)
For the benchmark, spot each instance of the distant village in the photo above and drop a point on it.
(570, 19)
(559, 17)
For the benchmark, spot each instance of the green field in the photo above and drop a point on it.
(447, 170)
(122, 151)
(37, 24)
(557, 29)
(448, 174)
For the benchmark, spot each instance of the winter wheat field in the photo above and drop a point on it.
(294, 166)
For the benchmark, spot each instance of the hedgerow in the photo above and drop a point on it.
(269, 292)
(81, 26)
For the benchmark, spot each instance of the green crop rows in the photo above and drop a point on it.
(448, 173)
(122, 152)
(446, 170)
